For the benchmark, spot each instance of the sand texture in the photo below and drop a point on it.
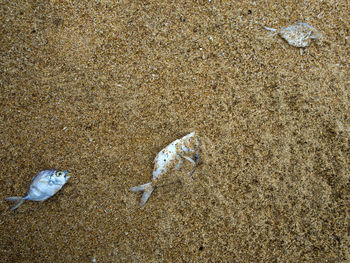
(98, 88)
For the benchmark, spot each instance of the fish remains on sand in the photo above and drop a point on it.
(170, 157)
(298, 35)
(44, 185)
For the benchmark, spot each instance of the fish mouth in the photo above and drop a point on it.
(66, 176)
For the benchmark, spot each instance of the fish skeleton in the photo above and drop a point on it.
(298, 35)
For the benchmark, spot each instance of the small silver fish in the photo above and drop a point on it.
(298, 35)
(168, 158)
(44, 185)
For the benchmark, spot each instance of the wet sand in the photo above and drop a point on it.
(100, 87)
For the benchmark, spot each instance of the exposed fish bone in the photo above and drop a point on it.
(170, 157)
(298, 35)
(44, 185)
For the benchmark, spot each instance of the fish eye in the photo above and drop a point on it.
(59, 174)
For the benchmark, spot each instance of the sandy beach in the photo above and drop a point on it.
(98, 88)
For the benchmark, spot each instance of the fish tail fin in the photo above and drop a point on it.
(273, 31)
(147, 190)
(140, 188)
(17, 199)
(146, 194)
(270, 29)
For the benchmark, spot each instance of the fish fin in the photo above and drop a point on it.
(140, 188)
(273, 31)
(14, 198)
(194, 162)
(17, 199)
(270, 29)
(147, 190)
(178, 165)
(146, 194)
(189, 159)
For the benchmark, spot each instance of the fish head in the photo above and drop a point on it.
(61, 177)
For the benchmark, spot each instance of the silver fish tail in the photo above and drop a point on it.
(147, 190)
(17, 199)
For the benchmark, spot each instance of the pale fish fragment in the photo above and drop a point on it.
(44, 185)
(298, 35)
(172, 156)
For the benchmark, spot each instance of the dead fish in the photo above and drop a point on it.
(44, 185)
(298, 35)
(170, 157)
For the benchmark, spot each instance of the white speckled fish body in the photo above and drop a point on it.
(165, 158)
(168, 158)
(44, 185)
(298, 35)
